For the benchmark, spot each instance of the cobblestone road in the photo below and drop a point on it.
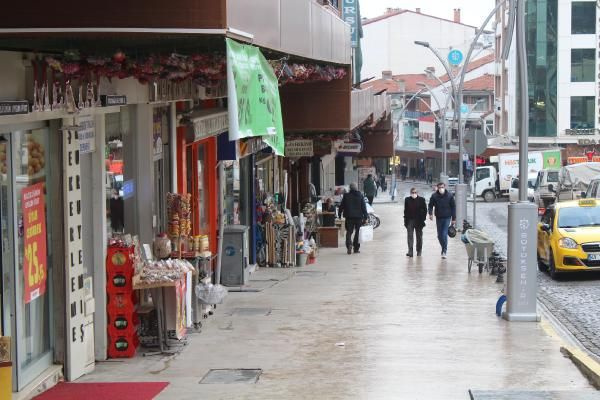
(573, 299)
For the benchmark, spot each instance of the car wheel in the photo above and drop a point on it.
(541, 266)
(489, 196)
(552, 267)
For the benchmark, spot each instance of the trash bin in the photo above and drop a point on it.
(301, 259)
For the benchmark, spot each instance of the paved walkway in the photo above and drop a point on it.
(375, 325)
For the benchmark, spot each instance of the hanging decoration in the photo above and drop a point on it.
(305, 73)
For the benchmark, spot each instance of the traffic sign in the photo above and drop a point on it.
(473, 142)
(464, 109)
(455, 57)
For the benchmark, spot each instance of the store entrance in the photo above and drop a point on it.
(26, 254)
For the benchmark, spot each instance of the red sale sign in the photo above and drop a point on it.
(34, 227)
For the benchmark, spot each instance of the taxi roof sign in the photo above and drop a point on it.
(587, 203)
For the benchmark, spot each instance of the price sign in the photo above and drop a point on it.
(34, 227)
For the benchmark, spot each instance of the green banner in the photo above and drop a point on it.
(552, 159)
(253, 91)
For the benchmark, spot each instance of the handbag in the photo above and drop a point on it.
(365, 234)
(451, 231)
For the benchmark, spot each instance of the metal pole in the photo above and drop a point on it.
(521, 290)
(473, 179)
(221, 175)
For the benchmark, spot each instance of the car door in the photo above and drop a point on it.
(543, 244)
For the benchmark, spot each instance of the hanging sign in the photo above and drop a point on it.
(343, 147)
(14, 107)
(299, 148)
(254, 105)
(350, 15)
(34, 227)
(87, 134)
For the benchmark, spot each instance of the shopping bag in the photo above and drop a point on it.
(365, 234)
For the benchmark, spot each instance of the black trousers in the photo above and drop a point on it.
(353, 226)
(370, 198)
(414, 229)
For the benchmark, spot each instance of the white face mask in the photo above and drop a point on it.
(414, 195)
(442, 190)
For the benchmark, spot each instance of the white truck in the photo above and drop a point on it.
(495, 180)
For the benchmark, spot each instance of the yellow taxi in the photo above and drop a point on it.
(569, 237)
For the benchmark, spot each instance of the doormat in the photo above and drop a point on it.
(533, 395)
(102, 391)
(229, 376)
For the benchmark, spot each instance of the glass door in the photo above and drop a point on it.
(26, 250)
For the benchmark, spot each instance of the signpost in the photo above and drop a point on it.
(475, 142)
(455, 57)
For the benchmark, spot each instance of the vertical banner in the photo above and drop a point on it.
(350, 16)
(34, 227)
(253, 90)
(78, 334)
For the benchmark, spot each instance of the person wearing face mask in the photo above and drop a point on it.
(415, 214)
(445, 214)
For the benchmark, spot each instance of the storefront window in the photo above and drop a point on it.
(542, 62)
(117, 189)
(583, 18)
(582, 112)
(583, 65)
(232, 193)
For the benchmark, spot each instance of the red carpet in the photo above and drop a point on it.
(103, 391)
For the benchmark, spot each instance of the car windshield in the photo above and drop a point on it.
(552, 177)
(573, 217)
(531, 183)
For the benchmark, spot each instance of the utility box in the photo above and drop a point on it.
(234, 264)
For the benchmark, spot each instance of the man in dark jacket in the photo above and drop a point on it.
(415, 214)
(354, 210)
(445, 214)
(370, 188)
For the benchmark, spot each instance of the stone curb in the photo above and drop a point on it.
(588, 366)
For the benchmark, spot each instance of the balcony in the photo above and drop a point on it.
(303, 28)
(368, 107)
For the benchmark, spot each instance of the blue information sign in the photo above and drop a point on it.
(455, 57)
(464, 109)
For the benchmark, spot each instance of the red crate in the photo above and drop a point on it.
(121, 302)
(119, 282)
(122, 346)
(119, 259)
(123, 324)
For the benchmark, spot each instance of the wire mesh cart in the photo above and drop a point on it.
(480, 247)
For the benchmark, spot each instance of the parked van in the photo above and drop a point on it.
(513, 192)
(593, 190)
(543, 196)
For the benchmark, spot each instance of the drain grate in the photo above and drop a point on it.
(230, 376)
(311, 274)
(532, 395)
(251, 312)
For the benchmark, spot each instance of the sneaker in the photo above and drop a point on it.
(444, 255)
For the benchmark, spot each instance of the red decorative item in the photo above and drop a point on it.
(119, 57)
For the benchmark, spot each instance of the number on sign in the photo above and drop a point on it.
(35, 271)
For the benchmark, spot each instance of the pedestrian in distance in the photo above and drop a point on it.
(442, 202)
(370, 188)
(415, 214)
(354, 210)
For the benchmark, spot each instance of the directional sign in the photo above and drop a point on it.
(455, 57)
(475, 141)
(464, 109)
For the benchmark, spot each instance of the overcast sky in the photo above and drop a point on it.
(473, 12)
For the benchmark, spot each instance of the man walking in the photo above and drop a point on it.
(370, 188)
(354, 210)
(415, 214)
(445, 214)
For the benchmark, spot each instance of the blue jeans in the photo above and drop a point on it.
(442, 229)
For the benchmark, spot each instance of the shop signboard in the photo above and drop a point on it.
(552, 159)
(34, 228)
(350, 15)
(352, 148)
(254, 104)
(14, 107)
(299, 148)
(87, 134)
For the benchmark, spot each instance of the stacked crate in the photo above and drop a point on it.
(122, 316)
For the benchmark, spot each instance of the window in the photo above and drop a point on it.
(482, 173)
(582, 112)
(583, 18)
(583, 65)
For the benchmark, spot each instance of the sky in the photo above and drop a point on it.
(473, 12)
